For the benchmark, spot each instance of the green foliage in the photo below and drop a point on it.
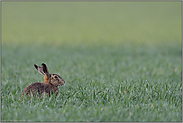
(121, 60)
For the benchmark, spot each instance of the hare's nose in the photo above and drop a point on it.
(63, 82)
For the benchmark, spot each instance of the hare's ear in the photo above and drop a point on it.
(39, 69)
(45, 70)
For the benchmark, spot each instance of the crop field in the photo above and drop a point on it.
(122, 61)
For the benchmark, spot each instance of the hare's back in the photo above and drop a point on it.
(34, 87)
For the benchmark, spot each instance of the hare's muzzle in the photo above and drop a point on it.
(62, 82)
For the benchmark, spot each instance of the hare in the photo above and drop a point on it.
(49, 86)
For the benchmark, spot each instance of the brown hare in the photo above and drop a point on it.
(49, 86)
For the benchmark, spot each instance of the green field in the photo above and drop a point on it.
(121, 60)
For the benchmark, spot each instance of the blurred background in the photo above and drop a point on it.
(91, 23)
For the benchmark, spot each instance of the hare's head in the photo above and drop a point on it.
(51, 78)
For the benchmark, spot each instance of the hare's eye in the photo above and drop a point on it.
(56, 77)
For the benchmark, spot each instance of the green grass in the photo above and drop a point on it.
(121, 60)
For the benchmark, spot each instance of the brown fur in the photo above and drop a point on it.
(41, 88)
